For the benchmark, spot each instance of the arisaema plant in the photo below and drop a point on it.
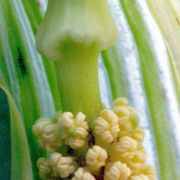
(81, 72)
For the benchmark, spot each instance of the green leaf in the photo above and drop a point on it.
(169, 25)
(114, 67)
(21, 165)
(5, 158)
(34, 12)
(154, 92)
(22, 72)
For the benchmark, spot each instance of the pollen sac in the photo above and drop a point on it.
(117, 171)
(45, 170)
(125, 126)
(127, 144)
(62, 166)
(106, 127)
(140, 177)
(123, 149)
(149, 171)
(120, 102)
(96, 158)
(48, 134)
(74, 129)
(138, 158)
(128, 118)
(138, 135)
(82, 174)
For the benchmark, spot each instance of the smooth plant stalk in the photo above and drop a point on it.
(72, 34)
(78, 80)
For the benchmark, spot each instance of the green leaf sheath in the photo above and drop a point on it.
(169, 24)
(53, 83)
(34, 13)
(154, 93)
(175, 75)
(21, 163)
(112, 61)
(20, 158)
(170, 27)
(25, 99)
(18, 70)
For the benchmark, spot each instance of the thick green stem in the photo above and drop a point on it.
(78, 80)
(73, 32)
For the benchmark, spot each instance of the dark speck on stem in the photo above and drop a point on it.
(21, 63)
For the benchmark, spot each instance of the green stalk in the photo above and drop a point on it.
(73, 34)
(78, 80)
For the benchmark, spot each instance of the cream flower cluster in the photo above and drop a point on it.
(126, 154)
(48, 134)
(83, 174)
(56, 166)
(106, 127)
(96, 158)
(62, 166)
(117, 171)
(74, 130)
(111, 150)
(45, 170)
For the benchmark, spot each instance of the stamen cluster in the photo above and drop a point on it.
(111, 150)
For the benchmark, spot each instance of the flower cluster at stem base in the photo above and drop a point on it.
(111, 150)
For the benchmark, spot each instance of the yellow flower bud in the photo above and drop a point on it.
(117, 171)
(138, 135)
(106, 127)
(74, 130)
(127, 144)
(120, 102)
(128, 119)
(45, 170)
(48, 134)
(82, 174)
(121, 111)
(125, 126)
(123, 149)
(149, 171)
(62, 166)
(55, 157)
(96, 158)
(137, 161)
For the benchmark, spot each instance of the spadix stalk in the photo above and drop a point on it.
(72, 34)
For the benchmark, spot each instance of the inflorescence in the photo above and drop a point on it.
(111, 149)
